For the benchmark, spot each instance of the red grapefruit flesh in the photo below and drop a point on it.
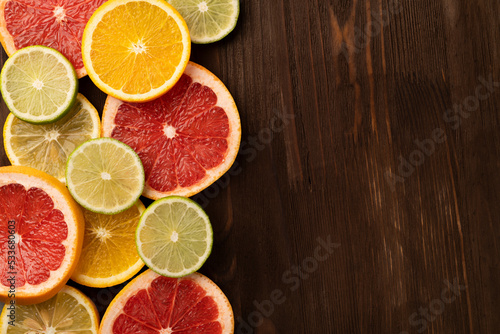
(186, 139)
(40, 235)
(58, 24)
(154, 304)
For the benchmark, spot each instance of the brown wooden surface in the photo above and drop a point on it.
(343, 110)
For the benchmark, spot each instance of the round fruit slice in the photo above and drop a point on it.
(105, 176)
(41, 234)
(186, 139)
(39, 85)
(47, 147)
(153, 304)
(70, 311)
(174, 237)
(136, 50)
(56, 24)
(208, 20)
(109, 254)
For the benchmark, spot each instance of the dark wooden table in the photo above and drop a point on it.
(365, 198)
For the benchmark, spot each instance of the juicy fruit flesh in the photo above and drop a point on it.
(106, 250)
(47, 147)
(38, 90)
(179, 137)
(174, 237)
(136, 47)
(60, 314)
(169, 306)
(39, 231)
(56, 24)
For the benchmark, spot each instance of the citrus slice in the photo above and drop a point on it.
(38, 84)
(208, 20)
(174, 236)
(56, 24)
(154, 304)
(70, 311)
(109, 254)
(186, 139)
(46, 147)
(105, 176)
(42, 228)
(136, 50)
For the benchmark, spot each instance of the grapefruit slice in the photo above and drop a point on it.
(154, 304)
(186, 139)
(56, 24)
(41, 229)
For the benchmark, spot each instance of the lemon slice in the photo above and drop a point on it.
(174, 237)
(46, 147)
(39, 85)
(109, 255)
(105, 176)
(70, 311)
(136, 50)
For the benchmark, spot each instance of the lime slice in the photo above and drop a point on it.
(70, 311)
(208, 20)
(174, 237)
(46, 147)
(105, 176)
(38, 84)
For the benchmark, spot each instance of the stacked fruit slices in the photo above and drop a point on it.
(173, 130)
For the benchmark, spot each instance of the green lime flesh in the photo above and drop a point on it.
(208, 20)
(174, 237)
(105, 176)
(38, 84)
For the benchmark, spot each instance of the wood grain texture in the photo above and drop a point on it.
(333, 96)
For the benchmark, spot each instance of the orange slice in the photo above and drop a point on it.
(41, 228)
(136, 50)
(109, 254)
(154, 304)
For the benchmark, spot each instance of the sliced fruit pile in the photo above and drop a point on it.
(69, 205)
